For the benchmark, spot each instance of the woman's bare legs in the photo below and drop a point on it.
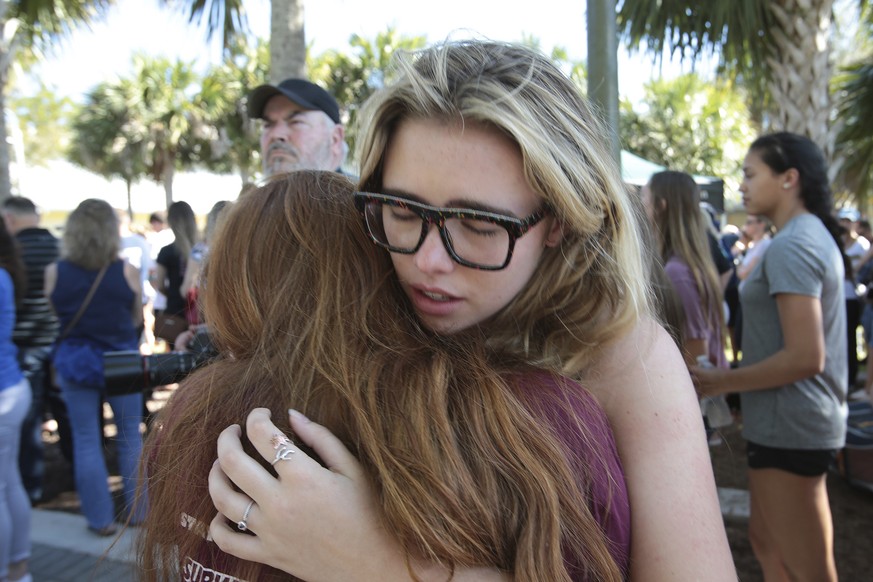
(790, 526)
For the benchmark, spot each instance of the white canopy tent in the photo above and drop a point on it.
(637, 171)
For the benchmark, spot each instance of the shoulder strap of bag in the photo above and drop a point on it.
(84, 305)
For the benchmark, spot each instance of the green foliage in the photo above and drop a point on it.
(691, 125)
(222, 99)
(172, 123)
(44, 119)
(853, 87)
(735, 31)
(108, 139)
(739, 33)
(43, 22)
(353, 77)
(148, 124)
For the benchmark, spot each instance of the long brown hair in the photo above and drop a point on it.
(468, 466)
(681, 230)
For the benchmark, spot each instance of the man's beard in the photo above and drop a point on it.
(282, 164)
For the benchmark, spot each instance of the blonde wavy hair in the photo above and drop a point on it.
(91, 238)
(466, 457)
(594, 287)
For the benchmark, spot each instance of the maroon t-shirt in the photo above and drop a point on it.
(608, 496)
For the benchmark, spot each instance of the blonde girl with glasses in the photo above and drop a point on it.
(497, 128)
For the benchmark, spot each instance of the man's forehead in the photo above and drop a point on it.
(280, 106)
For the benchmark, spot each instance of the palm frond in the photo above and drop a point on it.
(225, 17)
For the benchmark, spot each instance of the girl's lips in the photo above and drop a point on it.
(429, 301)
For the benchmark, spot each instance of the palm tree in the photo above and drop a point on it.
(856, 135)
(853, 87)
(234, 144)
(287, 33)
(175, 131)
(287, 40)
(780, 49)
(34, 24)
(353, 77)
(108, 139)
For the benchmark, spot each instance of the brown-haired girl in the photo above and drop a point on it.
(473, 460)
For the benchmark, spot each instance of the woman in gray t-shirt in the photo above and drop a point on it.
(792, 380)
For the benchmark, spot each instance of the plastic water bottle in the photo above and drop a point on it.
(714, 408)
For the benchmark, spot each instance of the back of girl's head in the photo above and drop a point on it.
(676, 207)
(306, 264)
(597, 274)
(783, 151)
(681, 230)
(180, 217)
(286, 284)
(91, 238)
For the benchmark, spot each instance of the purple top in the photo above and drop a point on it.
(607, 494)
(700, 323)
(547, 399)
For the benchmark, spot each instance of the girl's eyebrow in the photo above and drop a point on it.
(462, 203)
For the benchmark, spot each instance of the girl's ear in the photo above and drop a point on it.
(555, 234)
(790, 177)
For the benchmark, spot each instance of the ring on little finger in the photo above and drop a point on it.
(241, 525)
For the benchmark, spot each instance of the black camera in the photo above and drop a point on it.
(129, 371)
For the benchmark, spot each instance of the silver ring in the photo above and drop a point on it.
(241, 524)
(283, 454)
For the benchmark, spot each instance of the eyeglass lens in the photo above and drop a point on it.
(478, 242)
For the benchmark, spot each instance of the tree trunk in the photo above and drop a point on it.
(801, 67)
(287, 40)
(7, 49)
(603, 66)
(5, 159)
(129, 200)
(168, 174)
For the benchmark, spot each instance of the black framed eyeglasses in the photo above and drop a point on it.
(473, 238)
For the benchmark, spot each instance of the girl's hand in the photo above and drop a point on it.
(312, 522)
(709, 381)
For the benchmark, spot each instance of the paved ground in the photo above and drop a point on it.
(65, 551)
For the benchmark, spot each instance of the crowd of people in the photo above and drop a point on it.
(453, 365)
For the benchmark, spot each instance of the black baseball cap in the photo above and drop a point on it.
(302, 92)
